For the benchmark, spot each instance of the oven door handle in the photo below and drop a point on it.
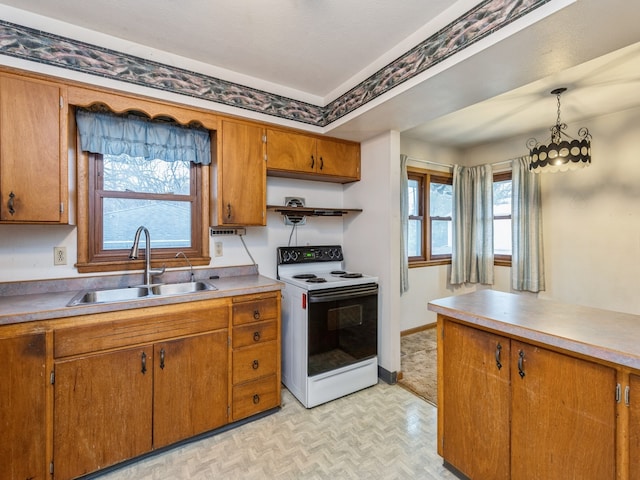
(342, 294)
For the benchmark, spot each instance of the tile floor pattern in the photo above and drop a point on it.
(383, 432)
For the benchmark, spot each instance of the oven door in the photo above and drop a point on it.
(343, 327)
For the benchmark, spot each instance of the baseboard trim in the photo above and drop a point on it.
(421, 328)
(386, 376)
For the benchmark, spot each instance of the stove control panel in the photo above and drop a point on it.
(322, 253)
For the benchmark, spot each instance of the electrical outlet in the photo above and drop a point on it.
(218, 249)
(59, 255)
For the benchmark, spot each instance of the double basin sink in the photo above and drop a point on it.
(138, 293)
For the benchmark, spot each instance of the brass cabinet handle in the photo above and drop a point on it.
(321, 163)
(256, 336)
(256, 399)
(10, 203)
(255, 365)
(228, 210)
(313, 162)
(498, 350)
(256, 314)
(162, 358)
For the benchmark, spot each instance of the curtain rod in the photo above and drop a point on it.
(502, 162)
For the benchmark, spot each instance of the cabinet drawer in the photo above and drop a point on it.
(253, 311)
(146, 325)
(257, 396)
(255, 333)
(250, 363)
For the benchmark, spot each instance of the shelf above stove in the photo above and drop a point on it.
(312, 211)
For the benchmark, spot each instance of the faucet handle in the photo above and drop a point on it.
(158, 271)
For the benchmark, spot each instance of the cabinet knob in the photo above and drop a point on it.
(255, 365)
(256, 336)
(10, 203)
(256, 399)
(256, 314)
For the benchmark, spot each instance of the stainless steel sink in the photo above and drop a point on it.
(138, 293)
(181, 288)
(113, 295)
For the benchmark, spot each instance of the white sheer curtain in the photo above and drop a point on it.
(472, 255)
(527, 265)
(404, 230)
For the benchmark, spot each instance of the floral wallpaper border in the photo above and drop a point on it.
(42, 47)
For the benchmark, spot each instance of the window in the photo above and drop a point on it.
(430, 235)
(127, 192)
(502, 218)
(118, 192)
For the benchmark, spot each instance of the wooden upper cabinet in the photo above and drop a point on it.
(240, 178)
(301, 156)
(33, 151)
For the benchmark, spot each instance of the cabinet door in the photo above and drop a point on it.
(242, 176)
(475, 413)
(190, 391)
(634, 427)
(563, 416)
(23, 383)
(339, 159)
(30, 163)
(291, 152)
(102, 410)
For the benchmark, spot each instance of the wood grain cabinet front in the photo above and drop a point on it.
(33, 151)
(256, 355)
(124, 387)
(302, 156)
(23, 412)
(511, 410)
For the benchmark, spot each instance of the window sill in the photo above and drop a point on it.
(429, 263)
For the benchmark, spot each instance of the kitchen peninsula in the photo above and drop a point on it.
(531, 388)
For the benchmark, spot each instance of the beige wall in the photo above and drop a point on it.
(591, 221)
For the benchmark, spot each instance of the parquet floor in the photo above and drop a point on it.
(383, 432)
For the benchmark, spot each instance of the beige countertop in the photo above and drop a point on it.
(35, 306)
(609, 336)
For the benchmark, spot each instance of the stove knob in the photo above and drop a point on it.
(294, 256)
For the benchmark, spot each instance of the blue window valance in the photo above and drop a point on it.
(136, 136)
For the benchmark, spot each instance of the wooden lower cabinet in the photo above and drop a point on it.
(633, 398)
(103, 410)
(475, 439)
(126, 386)
(23, 387)
(256, 355)
(509, 409)
(190, 387)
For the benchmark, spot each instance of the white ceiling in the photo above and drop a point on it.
(318, 49)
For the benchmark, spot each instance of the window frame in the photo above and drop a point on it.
(88, 212)
(502, 260)
(426, 178)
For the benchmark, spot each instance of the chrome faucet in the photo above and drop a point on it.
(148, 271)
(191, 277)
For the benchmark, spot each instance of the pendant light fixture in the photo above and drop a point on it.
(560, 154)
